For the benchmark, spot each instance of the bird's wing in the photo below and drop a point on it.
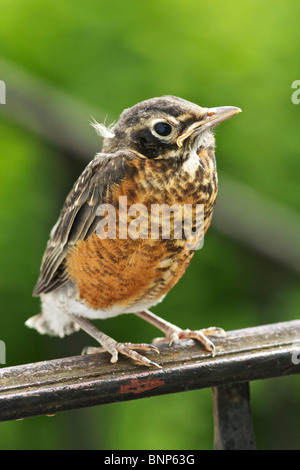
(78, 216)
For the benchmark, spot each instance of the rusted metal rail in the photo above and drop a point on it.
(244, 355)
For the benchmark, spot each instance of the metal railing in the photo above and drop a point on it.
(82, 381)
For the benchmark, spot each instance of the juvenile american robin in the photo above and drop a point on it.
(160, 153)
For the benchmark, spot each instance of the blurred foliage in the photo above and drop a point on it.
(112, 55)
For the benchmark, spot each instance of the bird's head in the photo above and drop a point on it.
(164, 127)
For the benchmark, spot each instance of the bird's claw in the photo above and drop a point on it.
(127, 349)
(175, 333)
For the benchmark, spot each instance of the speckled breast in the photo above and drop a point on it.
(140, 266)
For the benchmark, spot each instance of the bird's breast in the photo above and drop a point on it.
(142, 247)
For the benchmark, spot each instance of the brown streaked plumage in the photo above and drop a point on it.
(161, 152)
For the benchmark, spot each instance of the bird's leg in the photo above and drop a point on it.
(112, 346)
(173, 332)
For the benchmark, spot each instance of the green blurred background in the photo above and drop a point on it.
(66, 61)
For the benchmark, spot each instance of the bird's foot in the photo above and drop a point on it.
(173, 333)
(113, 347)
(127, 349)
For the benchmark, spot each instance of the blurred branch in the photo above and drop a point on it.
(266, 226)
(43, 110)
(81, 381)
(241, 213)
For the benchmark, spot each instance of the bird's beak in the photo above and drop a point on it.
(213, 117)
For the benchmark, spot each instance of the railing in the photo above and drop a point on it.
(242, 356)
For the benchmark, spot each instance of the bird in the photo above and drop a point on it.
(159, 154)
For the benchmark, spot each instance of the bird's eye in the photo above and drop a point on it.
(163, 128)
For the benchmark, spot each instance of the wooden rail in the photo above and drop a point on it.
(81, 381)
